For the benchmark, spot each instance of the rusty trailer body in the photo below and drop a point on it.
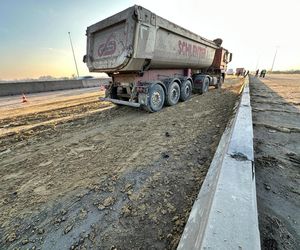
(142, 52)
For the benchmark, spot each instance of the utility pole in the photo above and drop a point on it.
(73, 54)
(274, 58)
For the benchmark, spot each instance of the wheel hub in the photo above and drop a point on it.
(187, 90)
(156, 98)
(174, 94)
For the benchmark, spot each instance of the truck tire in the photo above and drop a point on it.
(156, 98)
(219, 84)
(185, 90)
(173, 94)
(205, 85)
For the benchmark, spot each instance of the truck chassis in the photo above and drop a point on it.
(163, 90)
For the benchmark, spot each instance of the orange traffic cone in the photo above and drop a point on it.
(24, 99)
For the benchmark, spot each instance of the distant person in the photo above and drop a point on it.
(256, 73)
(263, 73)
(246, 73)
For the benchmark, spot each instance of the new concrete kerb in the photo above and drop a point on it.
(224, 215)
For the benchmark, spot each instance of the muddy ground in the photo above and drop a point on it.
(275, 102)
(115, 178)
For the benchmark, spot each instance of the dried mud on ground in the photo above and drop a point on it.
(119, 178)
(275, 103)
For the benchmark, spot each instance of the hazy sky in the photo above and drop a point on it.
(34, 34)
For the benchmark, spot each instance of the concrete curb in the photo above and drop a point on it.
(17, 88)
(224, 215)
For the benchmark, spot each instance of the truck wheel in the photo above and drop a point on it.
(156, 98)
(205, 85)
(219, 84)
(173, 94)
(185, 90)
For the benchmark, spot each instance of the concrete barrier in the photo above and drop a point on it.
(17, 88)
(224, 215)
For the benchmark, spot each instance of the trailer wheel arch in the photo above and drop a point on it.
(163, 86)
(189, 78)
(159, 83)
(167, 82)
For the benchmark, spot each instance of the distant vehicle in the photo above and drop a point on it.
(230, 72)
(239, 71)
(152, 62)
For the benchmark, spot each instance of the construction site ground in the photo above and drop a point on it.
(275, 104)
(76, 173)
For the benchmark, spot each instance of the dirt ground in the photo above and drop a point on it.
(275, 102)
(107, 177)
(47, 109)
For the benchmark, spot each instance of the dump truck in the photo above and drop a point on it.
(152, 62)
